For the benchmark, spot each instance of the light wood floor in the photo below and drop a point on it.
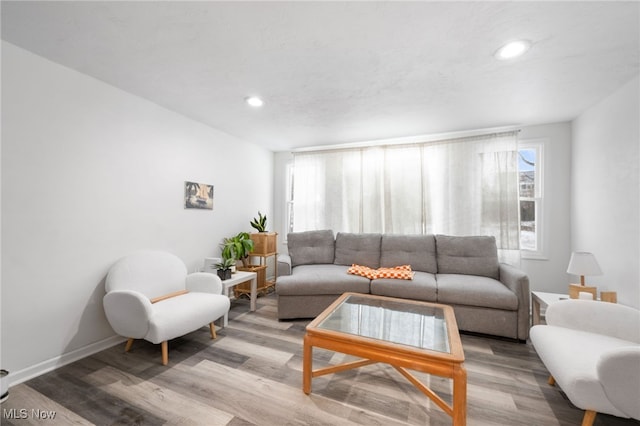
(251, 375)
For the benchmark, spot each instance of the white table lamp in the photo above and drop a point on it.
(582, 264)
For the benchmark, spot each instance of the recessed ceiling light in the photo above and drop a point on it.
(513, 49)
(254, 101)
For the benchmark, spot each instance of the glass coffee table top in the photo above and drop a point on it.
(418, 325)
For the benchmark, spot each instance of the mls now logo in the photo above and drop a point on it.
(23, 413)
(14, 413)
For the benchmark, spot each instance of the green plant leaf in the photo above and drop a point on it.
(259, 224)
(237, 247)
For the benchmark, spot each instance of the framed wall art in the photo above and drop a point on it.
(198, 196)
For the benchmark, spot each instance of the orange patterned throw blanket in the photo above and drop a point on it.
(403, 272)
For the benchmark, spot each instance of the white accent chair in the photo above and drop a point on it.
(592, 351)
(150, 296)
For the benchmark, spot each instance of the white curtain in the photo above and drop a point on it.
(466, 186)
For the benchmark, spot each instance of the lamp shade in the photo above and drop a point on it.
(583, 263)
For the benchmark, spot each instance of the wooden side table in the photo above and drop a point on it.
(541, 299)
(264, 247)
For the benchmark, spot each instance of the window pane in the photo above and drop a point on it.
(527, 169)
(528, 225)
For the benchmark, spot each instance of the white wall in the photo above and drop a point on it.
(89, 174)
(549, 272)
(605, 190)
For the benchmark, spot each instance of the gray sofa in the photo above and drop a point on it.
(463, 272)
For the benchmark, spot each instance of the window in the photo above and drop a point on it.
(530, 181)
(462, 186)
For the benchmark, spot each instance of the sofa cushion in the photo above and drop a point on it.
(183, 314)
(320, 279)
(471, 290)
(421, 287)
(362, 249)
(475, 255)
(419, 251)
(311, 247)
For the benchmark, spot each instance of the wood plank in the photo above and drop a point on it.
(161, 400)
(30, 405)
(282, 399)
(253, 350)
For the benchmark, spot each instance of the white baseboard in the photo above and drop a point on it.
(16, 377)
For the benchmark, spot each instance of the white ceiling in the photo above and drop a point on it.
(337, 72)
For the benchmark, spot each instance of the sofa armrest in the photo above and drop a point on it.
(609, 319)
(284, 264)
(620, 378)
(517, 281)
(204, 282)
(128, 312)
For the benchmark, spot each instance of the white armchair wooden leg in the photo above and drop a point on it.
(127, 347)
(589, 417)
(212, 327)
(165, 352)
(551, 381)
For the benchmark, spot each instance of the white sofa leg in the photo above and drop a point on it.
(212, 327)
(589, 417)
(127, 347)
(165, 352)
(551, 380)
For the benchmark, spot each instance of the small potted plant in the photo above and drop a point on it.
(224, 268)
(263, 242)
(259, 224)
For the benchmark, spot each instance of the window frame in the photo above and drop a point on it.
(288, 212)
(538, 146)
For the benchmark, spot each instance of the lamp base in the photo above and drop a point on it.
(576, 289)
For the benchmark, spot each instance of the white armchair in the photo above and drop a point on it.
(592, 351)
(150, 296)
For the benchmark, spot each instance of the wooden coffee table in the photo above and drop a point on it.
(403, 333)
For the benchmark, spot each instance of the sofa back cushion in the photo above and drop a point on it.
(477, 255)
(419, 251)
(361, 249)
(311, 247)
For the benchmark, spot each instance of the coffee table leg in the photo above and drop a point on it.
(459, 396)
(254, 293)
(307, 365)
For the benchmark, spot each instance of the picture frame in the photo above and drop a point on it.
(198, 196)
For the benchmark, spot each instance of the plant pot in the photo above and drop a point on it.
(264, 242)
(224, 274)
